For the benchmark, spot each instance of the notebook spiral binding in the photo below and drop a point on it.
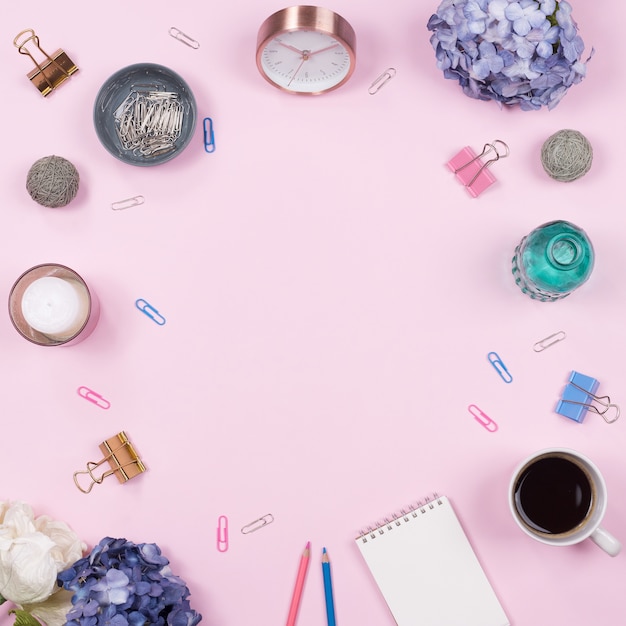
(397, 519)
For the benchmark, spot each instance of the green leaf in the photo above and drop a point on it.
(24, 618)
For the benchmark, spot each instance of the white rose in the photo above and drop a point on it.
(32, 553)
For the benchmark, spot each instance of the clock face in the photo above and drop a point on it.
(306, 61)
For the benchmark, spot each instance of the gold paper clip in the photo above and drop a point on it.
(120, 454)
(52, 71)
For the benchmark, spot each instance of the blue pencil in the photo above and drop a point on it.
(328, 589)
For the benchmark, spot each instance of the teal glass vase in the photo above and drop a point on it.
(553, 260)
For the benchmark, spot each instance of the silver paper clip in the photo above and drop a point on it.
(186, 39)
(500, 367)
(127, 203)
(257, 524)
(209, 135)
(542, 344)
(381, 81)
(605, 401)
(150, 311)
(222, 533)
(482, 418)
(93, 397)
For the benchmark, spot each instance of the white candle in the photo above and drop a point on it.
(56, 307)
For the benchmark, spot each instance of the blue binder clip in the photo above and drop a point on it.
(577, 398)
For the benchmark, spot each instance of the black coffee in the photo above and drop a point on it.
(553, 495)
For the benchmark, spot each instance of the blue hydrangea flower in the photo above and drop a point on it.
(125, 584)
(516, 52)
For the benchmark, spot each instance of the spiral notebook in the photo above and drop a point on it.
(427, 571)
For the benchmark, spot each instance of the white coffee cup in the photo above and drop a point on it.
(548, 496)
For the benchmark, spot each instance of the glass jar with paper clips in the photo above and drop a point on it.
(553, 260)
(145, 114)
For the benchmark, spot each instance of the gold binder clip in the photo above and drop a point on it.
(120, 454)
(52, 71)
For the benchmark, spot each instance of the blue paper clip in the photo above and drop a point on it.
(150, 311)
(209, 135)
(500, 367)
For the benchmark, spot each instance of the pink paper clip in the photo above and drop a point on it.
(482, 418)
(222, 533)
(472, 171)
(93, 397)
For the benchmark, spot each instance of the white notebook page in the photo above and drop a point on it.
(428, 572)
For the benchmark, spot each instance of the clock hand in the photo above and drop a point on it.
(286, 45)
(306, 55)
(304, 58)
(323, 49)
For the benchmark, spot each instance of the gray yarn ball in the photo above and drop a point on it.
(566, 155)
(52, 181)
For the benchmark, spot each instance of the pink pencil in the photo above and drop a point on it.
(297, 592)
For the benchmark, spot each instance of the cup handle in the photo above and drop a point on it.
(606, 541)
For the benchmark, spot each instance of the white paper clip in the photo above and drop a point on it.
(381, 81)
(542, 344)
(186, 39)
(258, 523)
(482, 418)
(127, 203)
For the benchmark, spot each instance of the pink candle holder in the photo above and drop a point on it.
(51, 305)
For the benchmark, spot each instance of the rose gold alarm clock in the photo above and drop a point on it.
(306, 50)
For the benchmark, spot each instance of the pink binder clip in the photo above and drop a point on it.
(472, 171)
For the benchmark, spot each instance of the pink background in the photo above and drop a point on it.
(331, 293)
